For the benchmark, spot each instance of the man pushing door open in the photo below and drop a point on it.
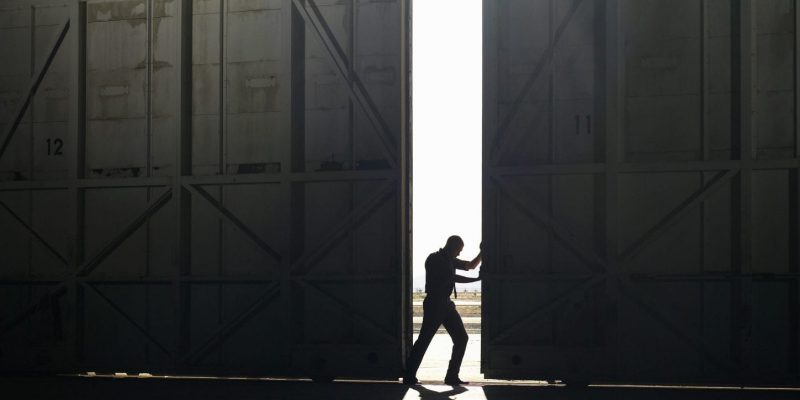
(438, 309)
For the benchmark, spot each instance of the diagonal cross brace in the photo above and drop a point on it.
(33, 233)
(658, 230)
(223, 332)
(92, 264)
(32, 308)
(34, 86)
(546, 221)
(309, 259)
(350, 310)
(695, 343)
(537, 72)
(128, 318)
(224, 212)
(356, 88)
(550, 305)
(355, 217)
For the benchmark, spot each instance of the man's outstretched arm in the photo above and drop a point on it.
(475, 261)
(468, 265)
(466, 279)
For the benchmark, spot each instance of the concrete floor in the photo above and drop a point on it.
(264, 389)
(431, 374)
(434, 364)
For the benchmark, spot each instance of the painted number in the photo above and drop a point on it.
(54, 147)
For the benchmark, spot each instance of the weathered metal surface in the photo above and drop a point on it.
(640, 183)
(229, 194)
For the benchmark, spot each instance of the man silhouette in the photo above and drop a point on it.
(438, 309)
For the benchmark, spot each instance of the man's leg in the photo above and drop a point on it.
(455, 327)
(431, 320)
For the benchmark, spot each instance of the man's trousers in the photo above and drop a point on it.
(439, 311)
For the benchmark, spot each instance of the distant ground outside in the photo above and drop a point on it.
(468, 305)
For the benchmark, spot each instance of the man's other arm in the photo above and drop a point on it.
(466, 279)
(468, 265)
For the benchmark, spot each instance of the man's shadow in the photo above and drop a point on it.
(427, 394)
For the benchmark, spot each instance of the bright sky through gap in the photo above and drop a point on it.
(447, 90)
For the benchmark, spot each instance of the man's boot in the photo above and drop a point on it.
(410, 380)
(452, 375)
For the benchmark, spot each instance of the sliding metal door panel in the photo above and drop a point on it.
(663, 246)
(205, 187)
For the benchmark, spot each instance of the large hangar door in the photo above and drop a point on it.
(310, 95)
(641, 191)
(540, 144)
(233, 192)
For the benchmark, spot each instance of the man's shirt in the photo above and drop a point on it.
(440, 273)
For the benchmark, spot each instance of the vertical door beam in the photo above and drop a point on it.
(404, 181)
(31, 122)
(76, 141)
(550, 122)
(223, 90)
(613, 101)
(614, 93)
(705, 142)
(705, 145)
(743, 113)
(183, 163)
(222, 144)
(794, 244)
(31, 119)
(797, 81)
(489, 213)
(794, 267)
(350, 52)
(293, 56)
(148, 168)
(149, 98)
(600, 126)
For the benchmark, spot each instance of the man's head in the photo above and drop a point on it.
(454, 246)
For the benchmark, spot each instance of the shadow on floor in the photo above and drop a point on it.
(631, 393)
(232, 389)
(426, 393)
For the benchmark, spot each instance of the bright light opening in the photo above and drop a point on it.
(447, 112)
(447, 98)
